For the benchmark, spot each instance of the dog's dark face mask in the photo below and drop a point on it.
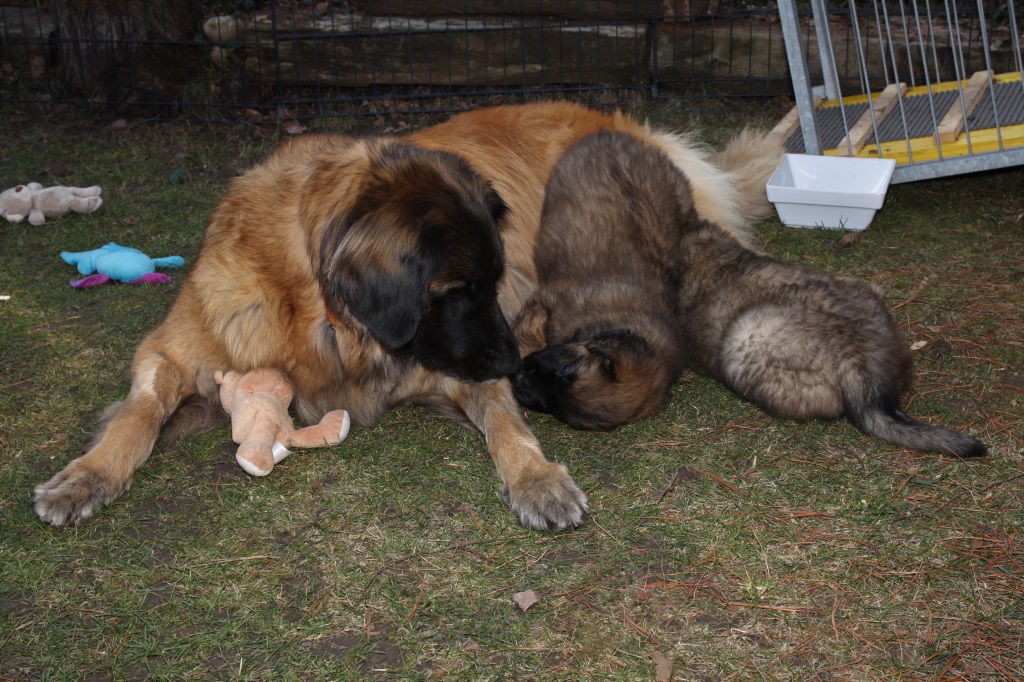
(463, 333)
(596, 384)
(418, 261)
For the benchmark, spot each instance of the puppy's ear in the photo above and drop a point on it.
(621, 341)
(381, 270)
(529, 327)
(629, 350)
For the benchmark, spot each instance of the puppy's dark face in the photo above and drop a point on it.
(417, 260)
(596, 384)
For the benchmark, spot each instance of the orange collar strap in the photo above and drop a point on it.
(327, 307)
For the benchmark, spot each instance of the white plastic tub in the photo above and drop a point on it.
(829, 191)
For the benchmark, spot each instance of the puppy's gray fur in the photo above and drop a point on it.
(673, 290)
(800, 343)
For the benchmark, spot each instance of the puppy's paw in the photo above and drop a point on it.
(73, 495)
(546, 498)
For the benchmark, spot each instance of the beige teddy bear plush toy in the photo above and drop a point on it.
(258, 404)
(37, 203)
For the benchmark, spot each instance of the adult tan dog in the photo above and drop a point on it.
(614, 321)
(377, 271)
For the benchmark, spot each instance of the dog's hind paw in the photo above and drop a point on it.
(72, 496)
(546, 499)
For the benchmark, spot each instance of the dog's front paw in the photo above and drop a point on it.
(73, 495)
(546, 498)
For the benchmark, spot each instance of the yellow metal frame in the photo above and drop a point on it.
(925, 148)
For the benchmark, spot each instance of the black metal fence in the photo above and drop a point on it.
(299, 59)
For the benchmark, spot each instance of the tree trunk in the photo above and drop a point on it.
(127, 50)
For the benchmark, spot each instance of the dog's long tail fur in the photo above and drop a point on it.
(880, 416)
(751, 157)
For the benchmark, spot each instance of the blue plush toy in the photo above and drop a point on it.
(120, 263)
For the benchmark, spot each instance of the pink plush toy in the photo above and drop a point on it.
(258, 404)
(37, 204)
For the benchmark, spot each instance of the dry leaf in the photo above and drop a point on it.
(918, 345)
(119, 123)
(850, 238)
(662, 667)
(294, 127)
(525, 600)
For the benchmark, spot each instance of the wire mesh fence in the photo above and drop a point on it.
(300, 59)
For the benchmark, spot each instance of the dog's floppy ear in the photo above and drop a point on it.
(496, 206)
(381, 270)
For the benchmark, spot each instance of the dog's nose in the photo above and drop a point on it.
(504, 357)
(495, 363)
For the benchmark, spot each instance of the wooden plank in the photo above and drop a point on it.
(441, 52)
(500, 50)
(953, 122)
(789, 123)
(858, 135)
(586, 10)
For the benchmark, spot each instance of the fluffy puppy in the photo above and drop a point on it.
(620, 317)
(601, 333)
(800, 343)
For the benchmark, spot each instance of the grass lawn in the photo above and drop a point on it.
(726, 544)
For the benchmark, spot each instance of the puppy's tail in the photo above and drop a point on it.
(881, 417)
(750, 158)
